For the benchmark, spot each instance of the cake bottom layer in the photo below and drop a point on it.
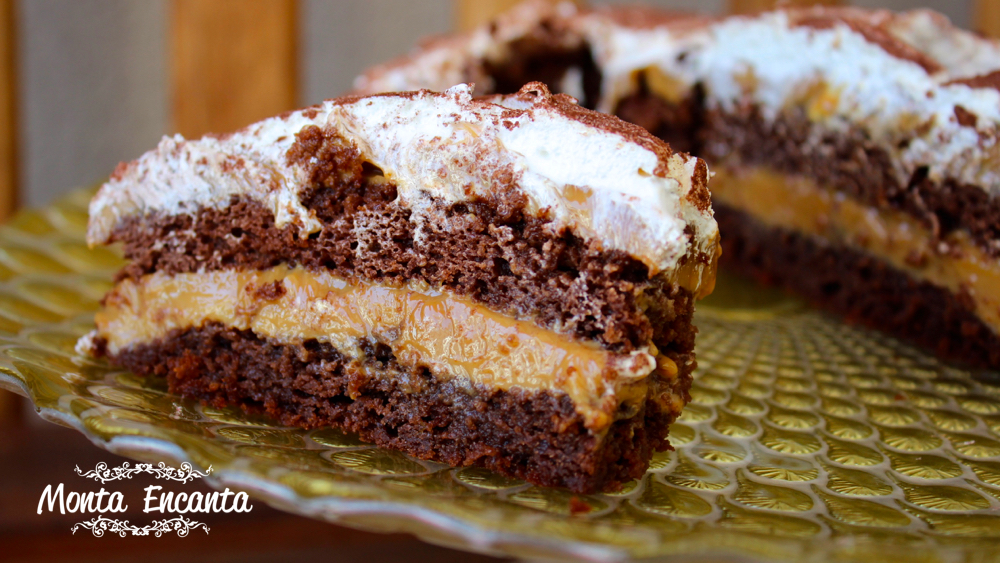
(859, 287)
(537, 435)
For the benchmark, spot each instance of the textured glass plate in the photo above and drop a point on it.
(806, 440)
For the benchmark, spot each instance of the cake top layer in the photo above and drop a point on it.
(925, 90)
(847, 69)
(608, 181)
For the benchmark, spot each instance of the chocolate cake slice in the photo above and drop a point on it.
(506, 283)
(856, 151)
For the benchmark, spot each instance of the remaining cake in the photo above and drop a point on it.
(856, 151)
(505, 283)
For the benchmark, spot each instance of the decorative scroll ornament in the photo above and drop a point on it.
(183, 474)
(181, 525)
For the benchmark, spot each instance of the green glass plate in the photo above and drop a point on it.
(806, 440)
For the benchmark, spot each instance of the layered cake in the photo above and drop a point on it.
(855, 151)
(505, 283)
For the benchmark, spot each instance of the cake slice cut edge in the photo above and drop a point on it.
(506, 283)
(855, 150)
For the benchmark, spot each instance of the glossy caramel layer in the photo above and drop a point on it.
(452, 336)
(799, 204)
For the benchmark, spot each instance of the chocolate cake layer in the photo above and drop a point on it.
(505, 283)
(858, 287)
(516, 267)
(536, 436)
(863, 104)
(512, 265)
(846, 161)
(492, 251)
(849, 162)
(541, 58)
(676, 123)
(843, 156)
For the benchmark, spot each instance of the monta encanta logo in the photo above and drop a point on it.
(156, 500)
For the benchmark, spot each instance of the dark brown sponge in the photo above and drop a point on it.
(858, 287)
(533, 435)
(513, 264)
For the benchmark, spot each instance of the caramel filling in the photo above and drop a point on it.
(819, 99)
(798, 203)
(667, 87)
(452, 336)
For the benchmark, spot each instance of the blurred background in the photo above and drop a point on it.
(99, 81)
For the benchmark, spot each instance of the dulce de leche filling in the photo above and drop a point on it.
(452, 336)
(798, 203)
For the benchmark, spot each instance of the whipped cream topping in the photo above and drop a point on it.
(606, 180)
(863, 84)
(891, 75)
